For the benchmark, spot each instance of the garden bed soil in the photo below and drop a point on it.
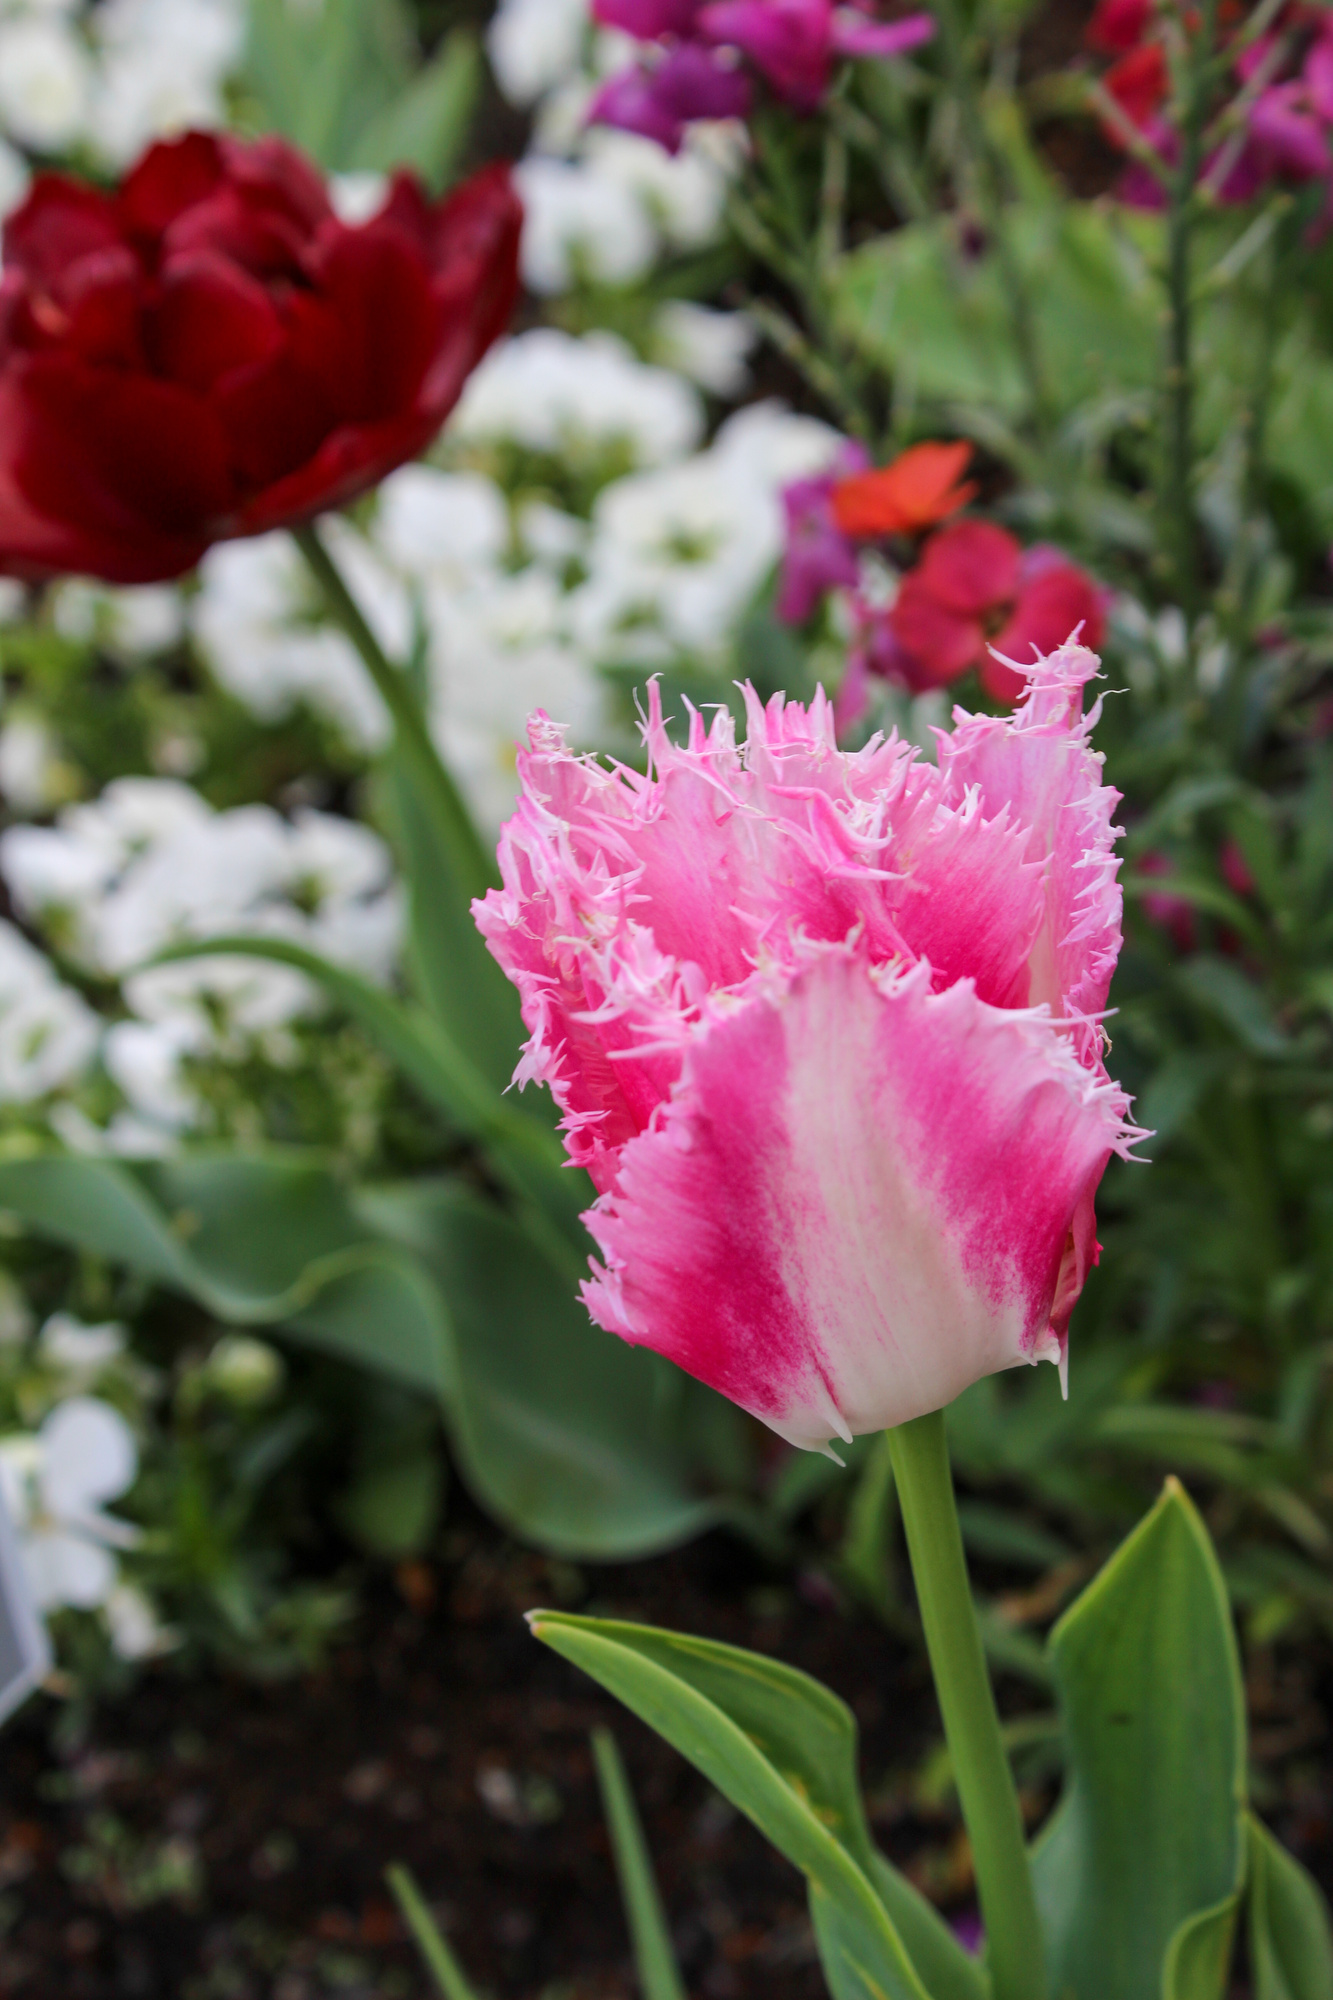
(217, 1839)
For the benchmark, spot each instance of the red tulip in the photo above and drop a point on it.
(209, 352)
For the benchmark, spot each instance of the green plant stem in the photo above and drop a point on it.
(989, 192)
(971, 1726)
(473, 868)
(1179, 379)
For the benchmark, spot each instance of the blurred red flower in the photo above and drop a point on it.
(976, 588)
(209, 352)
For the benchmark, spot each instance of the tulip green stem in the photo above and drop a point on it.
(971, 1726)
(472, 866)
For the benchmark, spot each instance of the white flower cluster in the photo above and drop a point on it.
(150, 864)
(75, 1454)
(48, 1034)
(102, 80)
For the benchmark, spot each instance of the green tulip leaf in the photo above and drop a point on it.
(1198, 1958)
(1138, 1871)
(258, 1240)
(783, 1750)
(572, 1438)
(1291, 1947)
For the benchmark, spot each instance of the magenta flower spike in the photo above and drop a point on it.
(825, 1030)
(690, 82)
(793, 42)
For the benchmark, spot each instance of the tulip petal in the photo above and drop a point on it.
(862, 1196)
(1040, 765)
(103, 473)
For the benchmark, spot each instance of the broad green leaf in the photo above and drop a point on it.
(569, 1436)
(937, 315)
(1148, 1838)
(259, 1240)
(427, 126)
(321, 74)
(783, 1749)
(654, 1959)
(1291, 1947)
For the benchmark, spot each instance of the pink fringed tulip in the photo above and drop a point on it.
(825, 1031)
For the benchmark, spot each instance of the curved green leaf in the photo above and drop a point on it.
(1146, 1848)
(783, 1749)
(261, 1240)
(1291, 1947)
(1198, 1958)
(565, 1433)
(573, 1439)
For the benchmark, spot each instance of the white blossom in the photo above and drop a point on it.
(712, 348)
(48, 1035)
(441, 525)
(684, 194)
(581, 222)
(550, 392)
(46, 82)
(79, 1353)
(678, 553)
(535, 45)
(30, 768)
(56, 1482)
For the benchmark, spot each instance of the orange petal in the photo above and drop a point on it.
(917, 490)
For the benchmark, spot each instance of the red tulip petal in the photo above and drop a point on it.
(120, 456)
(60, 221)
(211, 318)
(349, 462)
(273, 175)
(72, 484)
(944, 643)
(376, 281)
(274, 416)
(172, 176)
(972, 567)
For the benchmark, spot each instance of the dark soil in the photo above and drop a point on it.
(213, 1839)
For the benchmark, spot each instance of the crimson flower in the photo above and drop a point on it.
(208, 351)
(976, 589)
(824, 1029)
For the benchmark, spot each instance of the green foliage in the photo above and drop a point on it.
(343, 82)
(783, 1750)
(1149, 1838)
(1140, 1871)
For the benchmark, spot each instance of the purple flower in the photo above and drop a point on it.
(647, 20)
(1288, 138)
(689, 83)
(818, 556)
(793, 42)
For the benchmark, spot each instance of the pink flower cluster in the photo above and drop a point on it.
(1287, 80)
(698, 56)
(825, 1028)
